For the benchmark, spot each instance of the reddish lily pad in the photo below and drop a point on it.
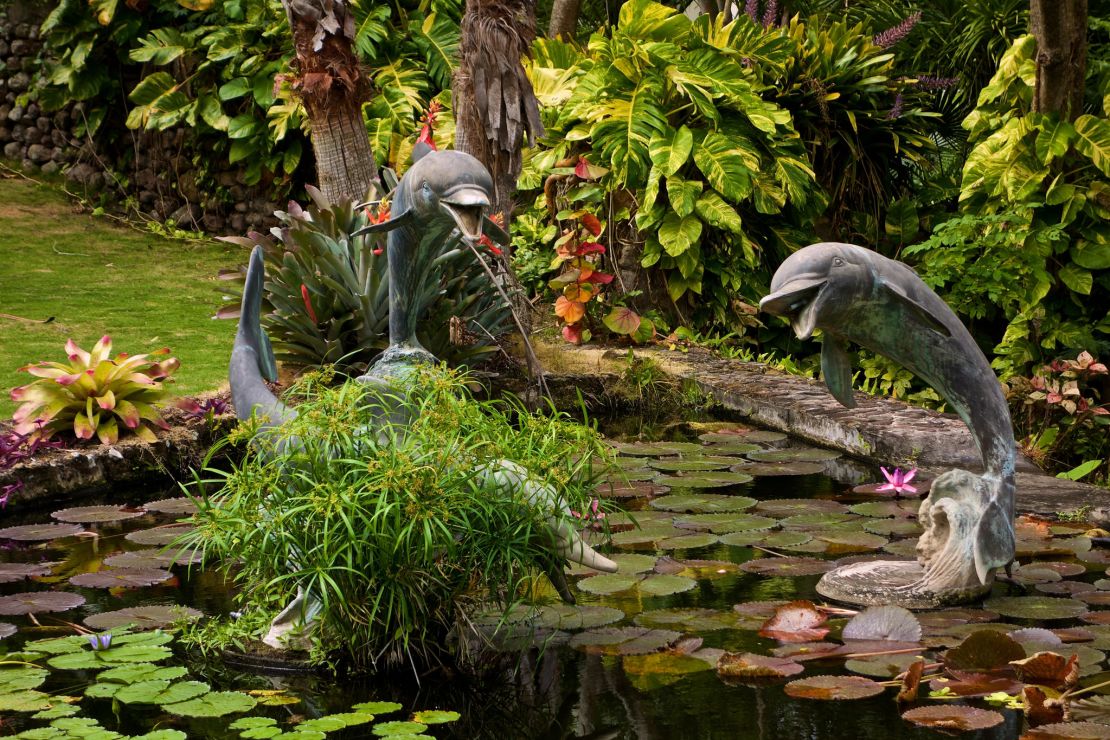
(760, 470)
(37, 602)
(142, 617)
(96, 514)
(159, 536)
(782, 507)
(121, 577)
(704, 480)
(833, 688)
(640, 489)
(953, 717)
(788, 567)
(1069, 731)
(153, 558)
(695, 464)
(983, 650)
(752, 668)
(7, 630)
(1099, 617)
(1065, 569)
(1065, 588)
(40, 532)
(12, 572)
(1048, 669)
(1095, 598)
(657, 449)
(797, 621)
(884, 509)
(883, 623)
(971, 684)
(179, 505)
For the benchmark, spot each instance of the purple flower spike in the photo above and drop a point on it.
(771, 13)
(892, 36)
(101, 641)
(896, 110)
(898, 481)
(751, 8)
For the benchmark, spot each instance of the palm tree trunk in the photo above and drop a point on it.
(1060, 27)
(564, 19)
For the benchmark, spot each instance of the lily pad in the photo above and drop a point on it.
(883, 623)
(159, 536)
(731, 448)
(609, 583)
(1065, 588)
(704, 480)
(702, 503)
(782, 507)
(756, 436)
(835, 688)
(142, 617)
(623, 640)
(665, 585)
(214, 704)
(816, 520)
(24, 701)
(1036, 607)
(848, 541)
(38, 602)
(793, 454)
(904, 548)
(787, 567)
(766, 539)
(96, 514)
(1065, 569)
(40, 532)
(655, 670)
(89, 659)
(1069, 731)
(707, 570)
(121, 577)
(435, 716)
(21, 678)
(641, 489)
(983, 650)
(921, 487)
(953, 717)
(657, 449)
(699, 464)
(633, 563)
(1095, 598)
(752, 668)
(687, 541)
(881, 666)
(12, 572)
(761, 470)
(725, 522)
(391, 729)
(902, 527)
(377, 707)
(797, 621)
(161, 691)
(688, 620)
(153, 557)
(577, 617)
(133, 672)
(178, 505)
(883, 509)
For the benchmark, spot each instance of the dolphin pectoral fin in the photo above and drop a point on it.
(267, 363)
(994, 541)
(389, 225)
(836, 371)
(491, 229)
(921, 312)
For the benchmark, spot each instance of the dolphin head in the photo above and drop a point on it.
(451, 184)
(813, 286)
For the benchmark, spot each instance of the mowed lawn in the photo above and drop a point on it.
(95, 277)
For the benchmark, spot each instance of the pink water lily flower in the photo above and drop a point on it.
(898, 481)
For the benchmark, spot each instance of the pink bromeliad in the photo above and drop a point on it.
(898, 481)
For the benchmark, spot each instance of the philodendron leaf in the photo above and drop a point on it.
(1076, 278)
(669, 150)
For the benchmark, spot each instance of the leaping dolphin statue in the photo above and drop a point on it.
(853, 294)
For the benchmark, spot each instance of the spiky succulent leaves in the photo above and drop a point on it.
(348, 290)
(94, 394)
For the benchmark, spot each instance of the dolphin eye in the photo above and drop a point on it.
(426, 188)
(838, 261)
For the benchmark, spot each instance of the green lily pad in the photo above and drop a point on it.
(901, 527)
(636, 475)
(783, 507)
(143, 617)
(845, 541)
(793, 454)
(755, 436)
(766, 469)
(90, 659)
(12, 572)
(21, 678)
(787, 567)
(656, 670)
(623, 640)
(214, 704)
(905, 548)
(726, 522)
(325, 724)
(633, 563)
(637, 489)
(817, 520)
(389, 729)
(687, 620)
(665, 585)
(704, 480)
(159, 536)
(377, 707)
(730, 448)
(657, 449)
(24, 701)
(692, 464)
(133, 672)
(883, 509)
(40, 532)
(161, 691)
(153, 557)
(1036, 607)
(435, 716)
(687, 541)
(881, 666)
(178, 505)
(121, 578)
(37, 602)
(57, 711)
(646, 535)
(95, 514)
(576, 617)
(702, 503)
(609, 583)
(766, 539)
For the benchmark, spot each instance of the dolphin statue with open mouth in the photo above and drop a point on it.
(853, 294)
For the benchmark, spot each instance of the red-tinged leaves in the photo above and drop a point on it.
(622, 320)
(82, 428)
(797, 621)
(833, 688)
(589, 248)
(576, 333)
(107, 401)
(600, 278)
(426, 137)
(592, 224)
(569, 311)
(308, 303)
(486, 242)
(752, 668)
(911, 681)
(953, 717)
(587, 171)
(970, 684)
(1039, 709)
(985, 650)
(76, 354)
(1048, 669)
(580, 292)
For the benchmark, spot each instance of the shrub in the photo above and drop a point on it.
(404, 534)
(92, 393)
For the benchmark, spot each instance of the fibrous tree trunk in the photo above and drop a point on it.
(1060, 27)
(564, 19)
(495, 107)
(333, 88)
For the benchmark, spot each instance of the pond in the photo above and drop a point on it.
(719, 545)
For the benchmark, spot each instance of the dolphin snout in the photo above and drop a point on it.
(796, 301)
(465, 205)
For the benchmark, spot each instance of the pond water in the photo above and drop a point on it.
(605, 681)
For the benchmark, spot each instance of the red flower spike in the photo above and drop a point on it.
(308, 303)
(426, 137)
(376, 252)
(486, 242)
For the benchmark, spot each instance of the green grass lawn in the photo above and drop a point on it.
(144, 290)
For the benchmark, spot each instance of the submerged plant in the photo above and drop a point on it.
(406, 533)
(92, 391)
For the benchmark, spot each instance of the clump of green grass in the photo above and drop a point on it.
(393, 526)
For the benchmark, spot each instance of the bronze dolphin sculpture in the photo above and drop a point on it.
(853, 294)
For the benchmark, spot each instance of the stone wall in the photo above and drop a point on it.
(156, 175)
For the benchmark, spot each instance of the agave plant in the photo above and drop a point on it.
(327, 295)
(93, 392)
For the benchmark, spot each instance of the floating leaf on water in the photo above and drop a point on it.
(793, 454)
(953, 717)
(24, 701)
(690, 620)
(377, 707)
(1036, 607)
(1091, 708)
(1072, 634)
(983, 650)
(881, 666)
(657, 449)
(665, 585)
(911, 681)
(725, 523)
(159, 536)
(12, 572)
(901, 527)
(142, 617)
(1048, 669)
(906, 548)
(619, 489)
(702, 503)
(161, 691)
(389, 729)
(796, 621)
(788, 567)
(575, 617)
(835, 688)
(132, 672)
(38, 602)
(731, 448)
(435, 716)
(760, 470)
(121, 578)
(1094, 598)
(153, 557)
(687, 541)
(623, 640)
(760, 436)
(179, 505)
(948, 617)
(1099, 617)
(781, 507)
(752, 668)
(655, 670)
(609, 583)
(90, 659)
(647, 535)
(40, 532)
(214, 704)
(1065, 569)
(21, 678)
(57, 711)
(324, 724)
(816, 520)
(1038, 638)
(699, 464)
(885, 509)
(7, 630)
(883, 623)
(1065, 588)
(95, 514)
(704, 480)
(764, 538)
(847, 541)
(252, 723)
(1069, 731)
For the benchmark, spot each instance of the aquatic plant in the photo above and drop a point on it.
(397, 534)
(898, 481)
(92, 391)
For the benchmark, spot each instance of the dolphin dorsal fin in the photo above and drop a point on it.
(914, 307)
(836, 370)
(267, 363)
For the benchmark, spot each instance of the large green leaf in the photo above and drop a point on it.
(1093, 140)
(716, 212)
(729, 168)
(683, 194)
(1053, 139)
(671, 148)
(1093, 255)
(1077, 279)
(624, 128)
(161, 47)
(677, 234)
(645, 19)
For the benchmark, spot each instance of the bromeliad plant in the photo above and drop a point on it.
(93, 393)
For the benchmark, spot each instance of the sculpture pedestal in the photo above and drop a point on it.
(896, 582)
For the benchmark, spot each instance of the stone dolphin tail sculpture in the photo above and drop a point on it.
(856, 295)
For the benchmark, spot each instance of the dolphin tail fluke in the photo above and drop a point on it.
(994, 541)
